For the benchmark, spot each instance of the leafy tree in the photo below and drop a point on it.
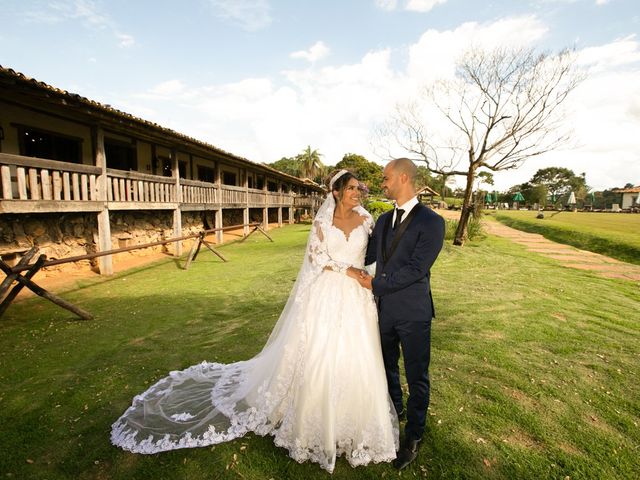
(424, 178)
(534, 193)
(439, 184)
(485, 177)
(608, 197)
(558, 180)
(370, 173)
(292, 166)
(312, 166)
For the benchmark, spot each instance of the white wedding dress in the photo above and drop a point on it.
(318, 386)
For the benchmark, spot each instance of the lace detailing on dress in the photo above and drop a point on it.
(318, 385)
(318, 252)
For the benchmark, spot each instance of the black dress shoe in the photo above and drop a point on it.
(407, 454)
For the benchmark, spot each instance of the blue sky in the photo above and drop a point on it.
(265, 78)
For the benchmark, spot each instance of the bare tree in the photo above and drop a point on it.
(502, 107)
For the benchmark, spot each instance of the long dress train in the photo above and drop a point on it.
(318, 386)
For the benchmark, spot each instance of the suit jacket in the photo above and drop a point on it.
(402, 285)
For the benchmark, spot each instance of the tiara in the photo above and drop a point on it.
(336, 177)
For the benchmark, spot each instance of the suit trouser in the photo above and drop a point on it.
(415, 339)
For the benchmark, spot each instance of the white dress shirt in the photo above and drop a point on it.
(407, 206)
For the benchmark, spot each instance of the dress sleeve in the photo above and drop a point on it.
(318, 253)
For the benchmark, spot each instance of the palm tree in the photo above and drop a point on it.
(311, 165)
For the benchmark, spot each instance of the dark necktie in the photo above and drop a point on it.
(399, 213)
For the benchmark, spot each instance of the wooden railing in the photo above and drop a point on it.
(195, 191)
(41, 180)
(257, 197)
(138, 187)
(233, 195)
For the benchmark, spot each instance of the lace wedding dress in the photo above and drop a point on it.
(318, 386)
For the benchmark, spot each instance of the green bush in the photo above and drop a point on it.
(474, 229)
(377, 208)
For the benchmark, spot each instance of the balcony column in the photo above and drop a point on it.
(177, 213)
(218, 212)
(245, 213)
(265, 210)
(280, 202)
(105, 264)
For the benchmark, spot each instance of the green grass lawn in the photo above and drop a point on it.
(534, 368)
(614, 234)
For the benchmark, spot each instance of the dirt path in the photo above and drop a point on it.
(567, 255)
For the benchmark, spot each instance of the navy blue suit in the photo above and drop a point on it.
(405, 305)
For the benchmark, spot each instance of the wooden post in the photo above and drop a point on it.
(245, 213)
(8, 281)
(26, 282)
(265, 210)
(105, 264)
(281, 195)
(218, 212)
(177, 213)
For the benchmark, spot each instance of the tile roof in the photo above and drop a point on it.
(8, 75)
(627, 190)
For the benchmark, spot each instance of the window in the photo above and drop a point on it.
(206, 174)
(120, 155)
(182, 169)
(166, 166)
(260, 182)
(50, 145)
(228, 178)
(250, 181)
(272, 186)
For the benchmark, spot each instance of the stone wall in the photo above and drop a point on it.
(63, 235)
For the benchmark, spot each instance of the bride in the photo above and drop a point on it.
(318, 386)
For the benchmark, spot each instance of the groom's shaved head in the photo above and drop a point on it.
(405, 165)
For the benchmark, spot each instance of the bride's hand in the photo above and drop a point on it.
(356, 273)
(366, 281)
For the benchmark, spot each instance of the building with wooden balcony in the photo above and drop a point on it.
(78, 176)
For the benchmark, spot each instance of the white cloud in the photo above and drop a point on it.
(168, 88)
(435, 53)
(317, 51)
(602, 2)
(85, 11)
(422, 5)
(251, 15)
(604, 112)
(388, 5)
(334, 108)
(125, 40)
(620, 52)
(411, 5)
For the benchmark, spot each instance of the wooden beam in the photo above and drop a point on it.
(105, 264)
(27, 282)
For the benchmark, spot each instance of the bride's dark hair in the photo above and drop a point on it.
(341, 183)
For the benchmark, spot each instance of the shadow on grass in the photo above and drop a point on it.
(68, 381)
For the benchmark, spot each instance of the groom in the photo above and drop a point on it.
(404, 244)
